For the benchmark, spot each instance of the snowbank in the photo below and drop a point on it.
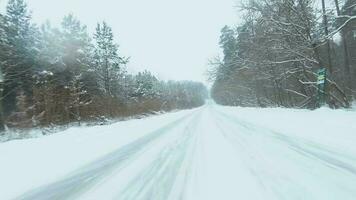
(336, 128)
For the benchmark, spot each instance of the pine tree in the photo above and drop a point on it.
(75, 43)
(146, 85)
(76, 58)
(55, 76)
(228, 44)
(19, 59)
(107, 61)
(68, 58)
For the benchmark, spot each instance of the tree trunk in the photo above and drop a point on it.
(347, 71)
(326, 31)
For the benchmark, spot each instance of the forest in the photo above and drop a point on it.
(55, 76)
(274, 57)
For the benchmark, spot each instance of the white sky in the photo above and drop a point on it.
(172, 38)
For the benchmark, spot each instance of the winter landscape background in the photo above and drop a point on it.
(266, 110)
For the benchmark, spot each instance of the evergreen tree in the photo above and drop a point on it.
(228, 44)
(19, 59)
(75, 48)
(106, 58)
(55, 76)
(146, 85)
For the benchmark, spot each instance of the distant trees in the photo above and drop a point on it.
(152, 93)
(56, 76)
(271, 59)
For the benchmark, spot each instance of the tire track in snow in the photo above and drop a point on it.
(306, 148)
(255, 163)
(317, 154)
(86, 177)
(158, 180)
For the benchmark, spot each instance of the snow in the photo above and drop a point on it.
(209, 153)
(30, 163)
(337, 38)
(332, 127)
(46, 73)
(1, 76)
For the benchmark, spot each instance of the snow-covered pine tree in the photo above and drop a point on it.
(106, 58)
(76, 48)
(55, 76)
(19, 54)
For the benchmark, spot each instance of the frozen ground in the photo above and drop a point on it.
(210, 153)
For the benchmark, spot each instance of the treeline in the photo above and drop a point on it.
(272, 57)
(55, 76)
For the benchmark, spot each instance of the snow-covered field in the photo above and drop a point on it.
(209, 153)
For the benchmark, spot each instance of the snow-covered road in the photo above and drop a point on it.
(209, 153)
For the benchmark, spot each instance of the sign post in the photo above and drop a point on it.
(321, 84)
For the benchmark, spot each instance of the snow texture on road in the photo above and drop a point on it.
(209, 153)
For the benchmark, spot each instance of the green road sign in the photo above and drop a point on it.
(321, 76)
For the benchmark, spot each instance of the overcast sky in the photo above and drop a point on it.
(172, 38)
